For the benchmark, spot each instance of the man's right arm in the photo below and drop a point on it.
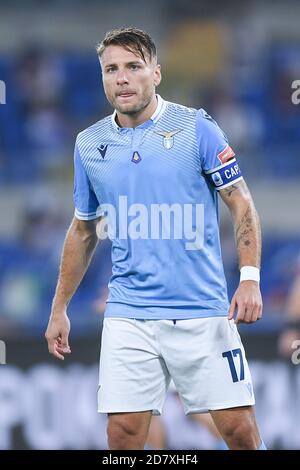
(79, 246)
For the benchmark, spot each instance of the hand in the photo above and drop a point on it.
(248, 303)
(57, 335)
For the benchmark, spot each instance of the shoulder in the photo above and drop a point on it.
(181, 110)
(199, 117)
(207, 127)
(92, 134)
(179, 116)
(204, 120)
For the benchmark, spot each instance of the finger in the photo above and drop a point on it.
(58, 355)
(241, 313)
(260, 311)
(63, 351)
(51, 345)
(255, 313)
(54, 350)
(250, 314)
(232, 309)
(63, 348)
(64, 344)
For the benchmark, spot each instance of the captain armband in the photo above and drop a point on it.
(225, 175)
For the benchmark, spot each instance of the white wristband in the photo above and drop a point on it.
(249, 273)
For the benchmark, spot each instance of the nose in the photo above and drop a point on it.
(122, 78)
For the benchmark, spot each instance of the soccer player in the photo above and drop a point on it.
(152, 172)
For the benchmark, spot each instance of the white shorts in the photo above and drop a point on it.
(204, 357)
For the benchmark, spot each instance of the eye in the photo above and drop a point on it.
(134, 66)
(110, 69)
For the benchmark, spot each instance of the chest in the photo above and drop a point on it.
(140, 156)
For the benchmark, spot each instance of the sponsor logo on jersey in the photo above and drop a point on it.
(136, 158)
(226, 154)
(102, 149)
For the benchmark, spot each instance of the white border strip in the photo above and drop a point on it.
(218, 188)
(81, 216)
(221, 166)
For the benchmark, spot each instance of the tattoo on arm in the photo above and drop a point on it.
(228, 191)
(248, 237)
(244, 228)
(246, 222)
(235, 190)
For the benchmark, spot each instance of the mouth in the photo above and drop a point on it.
(126, 94)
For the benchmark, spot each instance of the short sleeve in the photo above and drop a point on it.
(217, 158)
(85, 199)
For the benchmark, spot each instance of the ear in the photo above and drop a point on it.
(157, 75)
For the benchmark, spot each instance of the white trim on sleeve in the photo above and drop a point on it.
(84, 216)
(218, 188)
(220, 166)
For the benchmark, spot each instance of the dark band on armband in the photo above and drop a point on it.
(225, 175)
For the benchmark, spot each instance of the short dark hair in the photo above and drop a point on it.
(133, 39)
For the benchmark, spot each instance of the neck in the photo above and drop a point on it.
(134, 120)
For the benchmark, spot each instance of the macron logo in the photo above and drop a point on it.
(102, 149)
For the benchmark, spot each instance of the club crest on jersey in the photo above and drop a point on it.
(226, 154)
(168, 140)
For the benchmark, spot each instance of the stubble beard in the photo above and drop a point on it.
(133, 110)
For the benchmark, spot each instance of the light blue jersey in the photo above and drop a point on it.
(157, 185)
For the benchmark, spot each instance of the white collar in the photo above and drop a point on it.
(160, 108)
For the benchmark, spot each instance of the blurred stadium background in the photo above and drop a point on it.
(235, 59)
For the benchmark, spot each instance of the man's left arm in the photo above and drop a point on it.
(247, 299)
